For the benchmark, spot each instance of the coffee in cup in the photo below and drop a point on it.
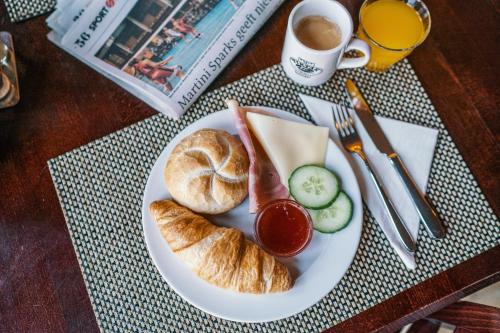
(318, 32)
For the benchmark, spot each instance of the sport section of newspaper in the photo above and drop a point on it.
(165, 52)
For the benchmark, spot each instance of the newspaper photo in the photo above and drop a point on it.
(165, 52)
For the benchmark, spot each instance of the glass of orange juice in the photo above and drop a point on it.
(392, 28)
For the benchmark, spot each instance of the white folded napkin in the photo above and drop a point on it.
(414, 144)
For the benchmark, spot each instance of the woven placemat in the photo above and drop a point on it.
(20, 10)
(100, 188)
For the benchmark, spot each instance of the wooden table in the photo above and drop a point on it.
(65, 104)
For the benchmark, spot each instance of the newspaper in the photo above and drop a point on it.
(165, 52)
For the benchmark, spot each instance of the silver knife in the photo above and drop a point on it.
(427, 213)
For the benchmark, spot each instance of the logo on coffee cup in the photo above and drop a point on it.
(304, 67)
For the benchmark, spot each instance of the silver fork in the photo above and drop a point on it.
(352, 143)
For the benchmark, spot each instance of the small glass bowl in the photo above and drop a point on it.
(262, 213)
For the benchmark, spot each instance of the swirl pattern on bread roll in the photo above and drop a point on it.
(208, 172)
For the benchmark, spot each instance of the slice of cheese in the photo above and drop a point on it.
(289, 144)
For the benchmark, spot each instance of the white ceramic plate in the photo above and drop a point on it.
(316, 270)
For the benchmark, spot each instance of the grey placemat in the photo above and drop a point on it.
(100, 187)
(19, 10)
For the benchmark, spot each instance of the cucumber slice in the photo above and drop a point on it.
(313, 186)
(335, 217)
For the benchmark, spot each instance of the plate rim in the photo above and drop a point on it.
(145, 211)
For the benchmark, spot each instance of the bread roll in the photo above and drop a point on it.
(208, 172)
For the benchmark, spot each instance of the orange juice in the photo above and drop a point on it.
(393, 29)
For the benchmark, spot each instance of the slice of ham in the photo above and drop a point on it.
(264, 183)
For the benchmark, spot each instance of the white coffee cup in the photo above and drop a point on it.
(312, 67)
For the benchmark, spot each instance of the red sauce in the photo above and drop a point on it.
(283, 228)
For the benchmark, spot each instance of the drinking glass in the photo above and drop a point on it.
(389, 45)
(4, 53)
(9, 86)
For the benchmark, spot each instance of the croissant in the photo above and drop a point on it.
(220, 256)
